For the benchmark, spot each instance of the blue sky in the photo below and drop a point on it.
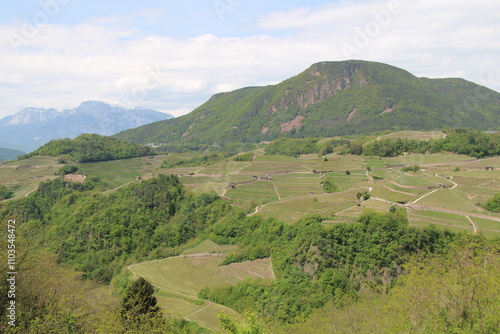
(173, 55)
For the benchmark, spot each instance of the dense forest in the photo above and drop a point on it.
(91, 147)
(316, 267)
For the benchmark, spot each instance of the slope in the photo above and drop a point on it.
(329, 99)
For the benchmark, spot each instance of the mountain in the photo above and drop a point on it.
(9, 154)
(329, 99)
(32, 127)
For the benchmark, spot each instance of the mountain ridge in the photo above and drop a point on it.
(329, 99)
(32, 127)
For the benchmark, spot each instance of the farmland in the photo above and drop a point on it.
(179, 279)
(447, 191)
(288, 188)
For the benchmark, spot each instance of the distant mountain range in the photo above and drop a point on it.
(330, 99)
(32, 127)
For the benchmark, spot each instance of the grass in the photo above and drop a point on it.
(422, 159)
(487, 224)
(207, 317)
(450, 200)
(23, 176)
(334, 162)
(385, 192)
(259, 191)
(179, 279)
(209, 247)
(184, 275)
(120, 172)
(420, 135)
(257, 269)
(225, 167)
(421, 180)
(327, 205)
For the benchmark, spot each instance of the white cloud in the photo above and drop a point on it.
(62, 66)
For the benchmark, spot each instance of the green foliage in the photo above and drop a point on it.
(365, 195)
(91, 147)
(493, 204)
(5, 193)
(250, 326)
(328, 185)
(200, 160)
(333, 145)
(462, 141)
(378, 97)
(139, 303)
(67, 169)
(99, 234)
(414, 168)
(248, 156)
(455, 292)
(292, 147)
(315, 265)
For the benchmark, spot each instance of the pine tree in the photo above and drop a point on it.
(139, 304)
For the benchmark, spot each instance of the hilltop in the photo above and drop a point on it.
(91, 147)
(330, 99)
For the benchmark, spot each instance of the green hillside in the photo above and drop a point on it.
(91, 147)
(329, 99)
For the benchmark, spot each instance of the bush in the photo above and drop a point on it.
(493, 204)
(68, 169)
(414, 168)
(5, 193)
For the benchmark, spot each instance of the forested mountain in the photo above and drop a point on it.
(328, 99)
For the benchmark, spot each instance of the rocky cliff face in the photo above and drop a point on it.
(320, 87)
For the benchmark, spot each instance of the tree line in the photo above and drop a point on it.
(461, 141)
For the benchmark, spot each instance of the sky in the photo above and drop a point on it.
(173, 55)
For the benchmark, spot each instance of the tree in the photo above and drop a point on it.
(5, 193)
(249, 326)
(139, 305)
(493, 204)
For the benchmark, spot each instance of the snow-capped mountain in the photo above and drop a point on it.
(32, 127)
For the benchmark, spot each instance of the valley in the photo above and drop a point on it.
(444, 190)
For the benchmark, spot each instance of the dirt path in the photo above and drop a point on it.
(473, 225)
(418, 199)
(399, 191)
(461, 213)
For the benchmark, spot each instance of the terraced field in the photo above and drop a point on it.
(120, 172)
(179, 279)
(288, 188)
(23, 176)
